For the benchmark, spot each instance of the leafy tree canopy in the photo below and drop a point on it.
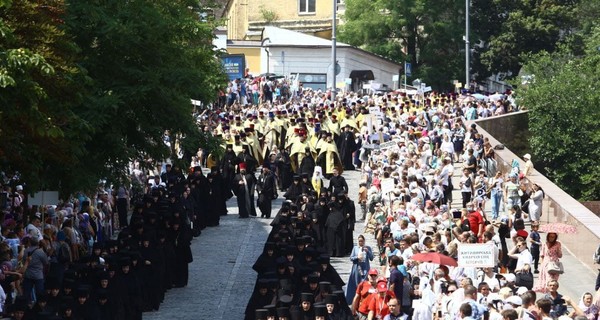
(88, 86)
(509, 30)
(428, 33)
(564, 116)
(40, 87)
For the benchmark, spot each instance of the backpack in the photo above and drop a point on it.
(465, 225)
(597, 255)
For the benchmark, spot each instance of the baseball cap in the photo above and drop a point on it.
(509, 277)
(373, 271)
(522, 233)
(382, 287)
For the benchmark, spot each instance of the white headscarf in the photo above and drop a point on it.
(424, 310)
(318, 172)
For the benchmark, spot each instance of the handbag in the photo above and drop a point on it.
(525, 206)
(555, 267)
(524, 279)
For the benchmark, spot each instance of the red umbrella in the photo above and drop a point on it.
(558, 227)
(435, 257)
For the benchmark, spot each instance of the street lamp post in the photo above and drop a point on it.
(262, 44)
(333, 53)
(467, 46)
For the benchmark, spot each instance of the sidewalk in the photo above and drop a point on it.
(577, 278)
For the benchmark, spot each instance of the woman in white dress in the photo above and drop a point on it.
(535, 203)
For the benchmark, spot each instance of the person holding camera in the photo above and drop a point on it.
(522, 254)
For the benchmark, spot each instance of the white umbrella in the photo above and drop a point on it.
(479, 96)
(496, 97)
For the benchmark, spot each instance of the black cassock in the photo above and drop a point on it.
(347, 147)
(294, 192)
(182, 241)
(351, 210)
(245, 194)
(230, 160)
(284, 169)
(307, 165)
(320, 214)
(335, 233)
(215, 206)
(267, 191)
(338, 184)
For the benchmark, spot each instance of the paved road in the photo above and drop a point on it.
(221, 277)
(222, 280)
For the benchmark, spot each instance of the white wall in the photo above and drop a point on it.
(220, 41)
(354, 59)
(302, 60)
(318, 60)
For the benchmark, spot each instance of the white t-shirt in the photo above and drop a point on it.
(466, 186)
(524, 258)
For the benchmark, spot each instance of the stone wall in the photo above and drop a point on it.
(512, 129)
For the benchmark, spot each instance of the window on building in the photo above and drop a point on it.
(314, 81)
(307, 6)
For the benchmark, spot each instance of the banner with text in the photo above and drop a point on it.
(478, 255)
(234, 65)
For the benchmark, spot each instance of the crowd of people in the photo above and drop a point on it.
(109, 256)
(407, 150)
(114, 255)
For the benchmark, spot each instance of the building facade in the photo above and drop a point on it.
(308, 59)
(246, 18)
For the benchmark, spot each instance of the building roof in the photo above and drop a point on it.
(286, 38)
(282, 37)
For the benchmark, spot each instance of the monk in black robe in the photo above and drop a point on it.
(243, 186)
(214, 207)
(227, 167)
(266, 262)
(267, 191)
(181, 237)
(337, 183)
(296, 190)
(284, 169)
(347, 147)
(307, 165)
(334, 228)
(246, 157)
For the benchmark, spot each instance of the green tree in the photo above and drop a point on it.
(508, 30)
(427, 33)
(564, 117)
(145, 61)
(40, 86)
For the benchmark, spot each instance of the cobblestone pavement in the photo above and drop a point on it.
(222, 279)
